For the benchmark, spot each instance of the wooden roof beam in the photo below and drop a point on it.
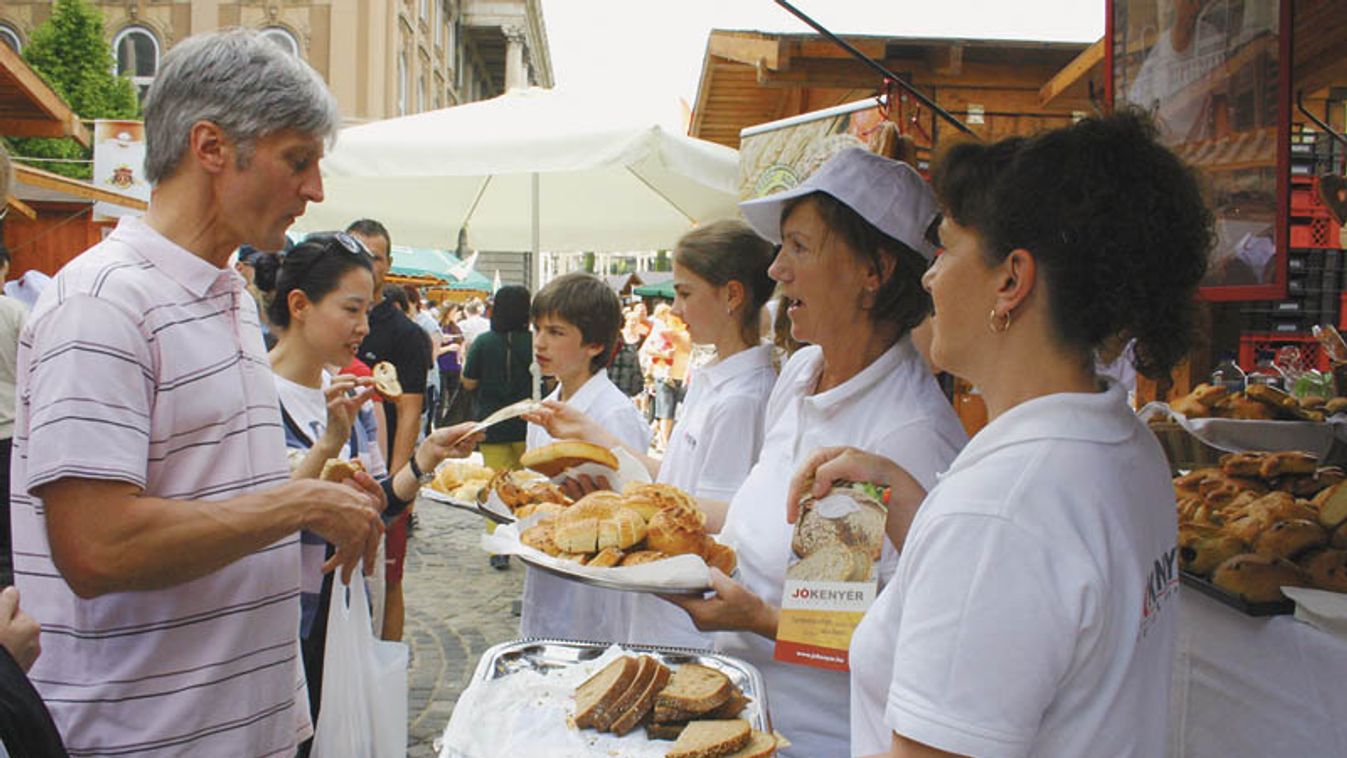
(1080, 67)
(46, 180)
(852, 74)
(16, 72)
(755, 50)
(947, 61)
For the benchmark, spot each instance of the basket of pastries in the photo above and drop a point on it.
(1257, 522)
(1212, 412)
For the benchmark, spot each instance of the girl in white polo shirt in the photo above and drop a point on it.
(720, 287)
(853, 248)
(1033, 610)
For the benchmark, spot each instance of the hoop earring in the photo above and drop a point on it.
(991, 322)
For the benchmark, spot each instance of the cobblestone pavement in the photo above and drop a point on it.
(457, 607)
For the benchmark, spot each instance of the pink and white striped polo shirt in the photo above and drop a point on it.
(143, 363)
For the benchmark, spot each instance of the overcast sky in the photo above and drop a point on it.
(649, 53)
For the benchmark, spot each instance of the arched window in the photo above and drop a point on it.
(137, 56)
(282, 39)
(10, 37)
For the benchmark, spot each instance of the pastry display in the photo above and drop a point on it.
(1256, 403)
(1261, 518)
(697, 706)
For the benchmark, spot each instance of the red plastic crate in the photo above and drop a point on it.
(1305, 195)
(1315, 231)
(1311, 354)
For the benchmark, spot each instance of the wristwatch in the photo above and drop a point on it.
(421, 476)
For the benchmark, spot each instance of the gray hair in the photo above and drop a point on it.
(239, 81)
(474, 307)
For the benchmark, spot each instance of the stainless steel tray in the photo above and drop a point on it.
(608, 584)
(543, 655)
(463, 505)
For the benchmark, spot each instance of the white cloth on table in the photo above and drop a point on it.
(1032, 612)
(1247, 686)
(711, 450)
(561, 608)
(893, 408)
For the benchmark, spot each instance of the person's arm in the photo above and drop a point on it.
(905, 748)
(563, 421)
(409, 427)
(829, 465)
(139, 542)
(448, 442)
(470, 378)
(342, 408)
(733, 607)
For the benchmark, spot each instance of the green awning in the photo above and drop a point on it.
(661, 289)
(440, 264)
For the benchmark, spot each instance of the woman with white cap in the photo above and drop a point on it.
(1033, 611)
(854, 245)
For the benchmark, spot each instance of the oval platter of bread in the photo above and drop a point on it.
(696, 700)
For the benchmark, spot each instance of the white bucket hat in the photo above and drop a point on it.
(889, 194)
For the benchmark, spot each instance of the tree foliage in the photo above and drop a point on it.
(70, 53)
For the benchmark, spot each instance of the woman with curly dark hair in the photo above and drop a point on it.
(1032, 612)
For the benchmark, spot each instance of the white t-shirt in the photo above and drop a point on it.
(1033, 610)
(556, 607)
(893, 408)
(711, 450)
(472, 327)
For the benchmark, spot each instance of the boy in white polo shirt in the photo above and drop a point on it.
(576, 321)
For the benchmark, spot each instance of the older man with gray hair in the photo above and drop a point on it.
(155, 520)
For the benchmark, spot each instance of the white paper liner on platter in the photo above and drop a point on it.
(529, 713)
(1239, 435)
(679, 573)
(1322, 609)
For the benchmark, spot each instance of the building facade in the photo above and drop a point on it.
(381, 58)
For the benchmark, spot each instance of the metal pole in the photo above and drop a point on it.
(879, 68)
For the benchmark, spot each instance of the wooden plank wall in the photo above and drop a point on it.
(60, 232)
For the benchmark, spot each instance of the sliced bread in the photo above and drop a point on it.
(645, 674)
(729, 709)
(760, 745)
(668, 731)
(711, 739)
(640, 708)
(599, 691)
(694, 688)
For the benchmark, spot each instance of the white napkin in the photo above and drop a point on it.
(1324, 610)
(681, 573)
(528, 713)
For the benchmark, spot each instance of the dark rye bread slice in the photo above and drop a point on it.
(711, 739)
(694, 688)
(638, 710)
(599, 691)
(668, 731)
(730, 709)
(645, 674)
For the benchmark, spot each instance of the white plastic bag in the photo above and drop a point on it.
(363, 709)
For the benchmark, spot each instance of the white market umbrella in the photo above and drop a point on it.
(533, 169)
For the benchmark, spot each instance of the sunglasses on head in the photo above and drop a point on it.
(347, 242)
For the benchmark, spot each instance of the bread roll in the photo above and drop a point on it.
(1327, 569)
(1279, 464)
(1332, 503)
(676, 531)
(1245, 465)
(549, 510)
(1287, 539)
(1309, 486)
(638, 557)
(1258, 578)
(1209, 394)
(605, 558)
(1202, 554)
(649, 499)
(1336, 405)
(1339, 538)
(719, 556)
(539, 537)
(1245, 409)
(596, 521)
(386, 380)
(551, 460)
(337, 470)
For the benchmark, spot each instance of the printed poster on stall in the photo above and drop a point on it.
(832, 576)
(779, 155)
(119, 165)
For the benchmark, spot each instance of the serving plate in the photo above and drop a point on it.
(1226, 597)
(558, 567)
